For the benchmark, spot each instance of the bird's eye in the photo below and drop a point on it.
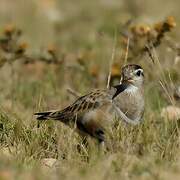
(139, 73)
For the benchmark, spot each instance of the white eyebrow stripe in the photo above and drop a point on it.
(139, 70)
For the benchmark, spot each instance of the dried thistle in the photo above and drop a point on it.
(11, 46)
(94, 71)
(115, 70)
(163, 27)
(21, 48)
(9, 30)
(115, 73)
(140, 30)
(144, 37)
(52, 50)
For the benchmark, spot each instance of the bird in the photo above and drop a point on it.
(130, 104)
(89, 113)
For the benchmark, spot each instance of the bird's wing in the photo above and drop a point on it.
(83, 104)
(96, 99)
(91, 101)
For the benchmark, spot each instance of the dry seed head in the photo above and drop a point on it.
(115, 70)
(158, 27)
(171, 22)
(23, 45)
(51, 49)
(9, 29)
(144, 30)
(94, 71)
(140, 30)
(21, 48)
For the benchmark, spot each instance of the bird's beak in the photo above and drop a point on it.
(130, 80)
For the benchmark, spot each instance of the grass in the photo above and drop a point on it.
(84, 40)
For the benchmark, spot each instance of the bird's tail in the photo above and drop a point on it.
(43, 115)
(62, 115)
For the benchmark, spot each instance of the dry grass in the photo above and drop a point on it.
(75, 50)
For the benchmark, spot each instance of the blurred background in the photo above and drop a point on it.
(85, 36)
(49, 46)
(68, 21)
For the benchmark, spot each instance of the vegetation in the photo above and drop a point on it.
(49, 46)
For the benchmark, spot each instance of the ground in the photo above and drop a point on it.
(86, 38)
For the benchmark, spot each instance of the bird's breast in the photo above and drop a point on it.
(131, 103)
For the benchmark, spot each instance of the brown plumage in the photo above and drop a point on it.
(79, 112)
(131, 101)
(89, 112)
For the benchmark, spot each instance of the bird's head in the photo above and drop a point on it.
(132, 74)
